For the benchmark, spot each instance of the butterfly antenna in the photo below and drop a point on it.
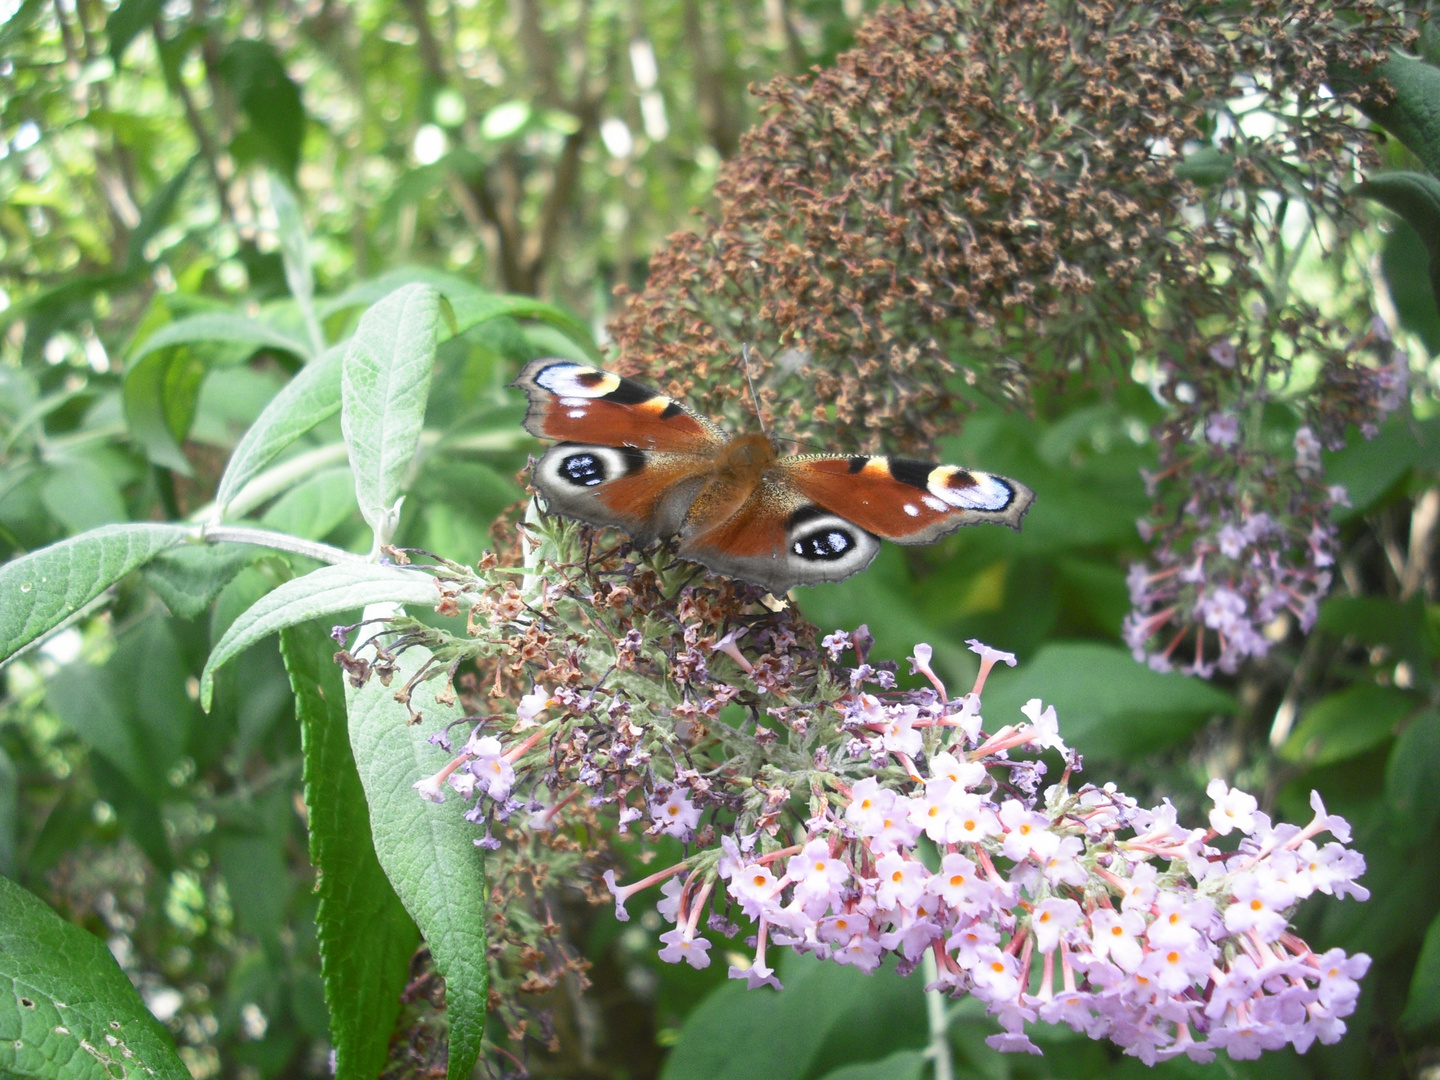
(754, 397)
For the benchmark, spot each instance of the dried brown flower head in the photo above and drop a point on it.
(995, 195)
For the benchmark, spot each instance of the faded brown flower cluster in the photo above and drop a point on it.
(997, 196)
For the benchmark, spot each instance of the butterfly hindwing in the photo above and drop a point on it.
(778, 538)
(906, 501)
(574, 402)
(642, 492)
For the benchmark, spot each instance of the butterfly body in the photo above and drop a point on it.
(632, 458)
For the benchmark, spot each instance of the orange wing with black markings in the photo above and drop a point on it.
(574, 402)
(906, 501)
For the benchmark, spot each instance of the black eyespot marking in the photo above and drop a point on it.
(583, 470)
(590, 379)
(912, 472)
(673, 409)
(858, 462)
(629, 392)
(825, 544)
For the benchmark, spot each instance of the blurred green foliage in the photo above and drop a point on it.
(153, 309)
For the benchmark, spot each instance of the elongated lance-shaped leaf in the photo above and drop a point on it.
(366, 937)
(470, 305)
(218, 326)
(311, 396)
(327, 591)
(66, 1009)
(41, 590)
(383, 390)
(295, 254)
(428, 850)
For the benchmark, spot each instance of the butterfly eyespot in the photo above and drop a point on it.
(823, 544)
(583, 469)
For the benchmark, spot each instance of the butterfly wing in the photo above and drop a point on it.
(906, 501)
(628, 457)
(572, 402)
(642, 492)
(779, 538)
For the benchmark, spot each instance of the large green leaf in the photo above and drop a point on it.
(428, 851)
(827, 1017)
(1347, 723)
(1109, 706)
(222, 327)
(311, 396)
(1412, 777)
(271, 102)
(41, 590)
(1410, 110)
(132, 17)
(366, 937)
(295, 255)
(328, 591)
(71, 1013)
(1422, 1009)
(383, 390)
(469, 305)
(1416, 198)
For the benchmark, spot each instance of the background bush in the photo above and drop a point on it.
(533, 157)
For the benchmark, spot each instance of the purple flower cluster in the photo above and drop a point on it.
(1251, 543)
(1083, 909)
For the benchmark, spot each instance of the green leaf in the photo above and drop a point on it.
(311, 396)
(828, 1017)
(219, 326)
(1345, 724)
(383, 389)
(163, 380)
(901, 1065)
(294, 242)
(161, 393)
(366, 936)
(156, 215)
(41, 590)
(1416, 198)
(271, 101)
(189, 578)
(257, 878)
(9, 817)
(328, 591)
(1412, 777)
(313, 509)
(1407, 269)
(1423, 1007)
(1369, 469)
(1207, 165)
(428, 851)
(132, 710)
(295, 254)
(82, 496)
(132, 17)
(1410, 112)
(71, 1012)
(1378, 620)
(1109, 706)
(470, 305)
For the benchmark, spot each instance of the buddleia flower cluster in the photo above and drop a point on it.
(845, 817)
(1241, 537)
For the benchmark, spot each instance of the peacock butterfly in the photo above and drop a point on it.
(630, 457)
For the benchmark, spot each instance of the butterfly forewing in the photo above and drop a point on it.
(577, 403)
(906, 501)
